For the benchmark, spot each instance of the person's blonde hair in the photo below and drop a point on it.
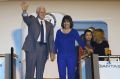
(98, 35)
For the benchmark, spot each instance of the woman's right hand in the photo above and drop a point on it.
(89, 50)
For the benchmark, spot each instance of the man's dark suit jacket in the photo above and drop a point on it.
(33, 33)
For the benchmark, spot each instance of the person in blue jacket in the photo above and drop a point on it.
(65, 48)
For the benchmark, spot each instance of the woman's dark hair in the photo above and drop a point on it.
(67, 18)
(87, 31)
(90, 32)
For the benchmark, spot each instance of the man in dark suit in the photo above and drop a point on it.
(38, 43)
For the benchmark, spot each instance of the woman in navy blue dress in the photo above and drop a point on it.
(65, 48)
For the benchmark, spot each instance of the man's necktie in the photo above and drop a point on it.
(42, 33)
